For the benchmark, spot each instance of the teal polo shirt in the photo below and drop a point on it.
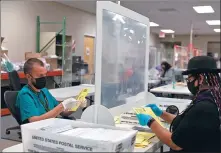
(31, 103)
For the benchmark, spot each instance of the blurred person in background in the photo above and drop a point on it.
(166, 76)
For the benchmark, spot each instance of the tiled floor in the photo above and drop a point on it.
(6, 122)
(6, 143)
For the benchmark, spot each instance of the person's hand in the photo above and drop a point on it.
(83, 103)
(143, 119)
(69, 103)
(157, 111)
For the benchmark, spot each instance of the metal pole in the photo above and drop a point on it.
(63, 38)
(63, 45)
(38, 35)
(191, 42)
(191, 34)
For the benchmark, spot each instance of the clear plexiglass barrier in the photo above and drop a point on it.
(123, 59)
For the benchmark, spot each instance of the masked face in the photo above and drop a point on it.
(191, 86)
(37, 77)
(39, 83)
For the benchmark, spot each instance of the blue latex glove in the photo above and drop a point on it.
(157, 111)
(143, 119)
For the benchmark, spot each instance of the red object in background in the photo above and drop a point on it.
(175, 46)
(161, 34)
(190, 47)
(4, 76)
(129, 72)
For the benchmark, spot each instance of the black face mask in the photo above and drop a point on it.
(39, 82)
(192, 88)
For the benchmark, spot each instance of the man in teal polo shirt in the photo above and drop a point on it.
(34, 101)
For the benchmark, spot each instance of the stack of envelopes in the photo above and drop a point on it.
(143, 139)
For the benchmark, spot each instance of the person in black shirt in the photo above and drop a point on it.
(197, 129)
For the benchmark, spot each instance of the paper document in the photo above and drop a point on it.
(147, 111)
(142, 139)
(80, 97)
(117, 119)
(57, 129)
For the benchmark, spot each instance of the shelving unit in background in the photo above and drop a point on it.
(64, 61)
(58, 49)
(56, 43)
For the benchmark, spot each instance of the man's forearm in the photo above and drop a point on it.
(164, 135)
(66, 113)
(51, 114)
(167, 117)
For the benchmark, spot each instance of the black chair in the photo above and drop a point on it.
(14, 81)
(10, 100)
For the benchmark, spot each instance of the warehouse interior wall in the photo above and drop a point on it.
(18, 25)
(199, 41)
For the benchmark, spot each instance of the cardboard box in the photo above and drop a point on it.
(53, 63)
(47, 136)
(29, 55)
(4, 51)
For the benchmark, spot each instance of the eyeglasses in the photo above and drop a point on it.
(190, 79)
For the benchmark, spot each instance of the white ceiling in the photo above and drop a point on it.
(178, 20)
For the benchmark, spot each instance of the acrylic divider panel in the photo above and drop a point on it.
(123, 59)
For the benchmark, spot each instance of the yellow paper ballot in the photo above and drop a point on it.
(142, 139)
(80, 97)
(147, 111)
(82, 94)
(117, 119)
(145, 135)
(139, 110)
(143, 144)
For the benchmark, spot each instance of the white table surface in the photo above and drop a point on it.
(168, 89)
(155, 82)
(61, 94)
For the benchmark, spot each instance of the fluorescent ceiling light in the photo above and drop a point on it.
(138, 42)
(167, 31)
(119, 17)
(217, 30)
(130, 37)
(213, 22)
(125, 28)
(203, 9)
(152, 24)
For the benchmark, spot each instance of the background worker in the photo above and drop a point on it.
(166, 76)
